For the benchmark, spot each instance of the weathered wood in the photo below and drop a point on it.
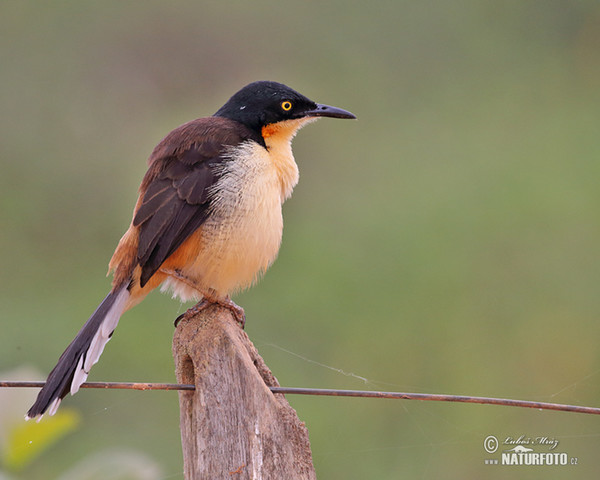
(232, 426)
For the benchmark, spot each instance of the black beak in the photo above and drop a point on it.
(327, 111)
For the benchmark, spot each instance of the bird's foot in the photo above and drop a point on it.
(236, 310)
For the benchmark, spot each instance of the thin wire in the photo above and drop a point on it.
(338, 393)
(439, 398)
(109, 385)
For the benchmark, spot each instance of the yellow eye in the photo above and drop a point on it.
(287, 105)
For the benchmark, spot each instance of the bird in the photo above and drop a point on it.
(207, 222)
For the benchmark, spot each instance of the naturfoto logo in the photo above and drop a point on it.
(526, 450)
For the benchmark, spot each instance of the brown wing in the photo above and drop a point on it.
(175, 194)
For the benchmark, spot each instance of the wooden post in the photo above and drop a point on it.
(232, 426)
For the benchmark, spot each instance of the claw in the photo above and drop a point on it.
(178, 319)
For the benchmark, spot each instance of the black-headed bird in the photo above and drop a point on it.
(207, 221)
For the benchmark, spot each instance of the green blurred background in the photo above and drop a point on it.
(446, 242)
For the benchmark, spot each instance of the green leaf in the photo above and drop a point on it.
(28, 440)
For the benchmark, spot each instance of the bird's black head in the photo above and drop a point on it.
(263, 103)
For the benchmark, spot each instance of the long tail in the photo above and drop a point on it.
(84, 351)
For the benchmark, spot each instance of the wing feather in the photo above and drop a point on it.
(157, 194)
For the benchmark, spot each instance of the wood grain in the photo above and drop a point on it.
(232, 426)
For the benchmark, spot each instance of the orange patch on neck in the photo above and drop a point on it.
(286, 129)
(270, 130)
